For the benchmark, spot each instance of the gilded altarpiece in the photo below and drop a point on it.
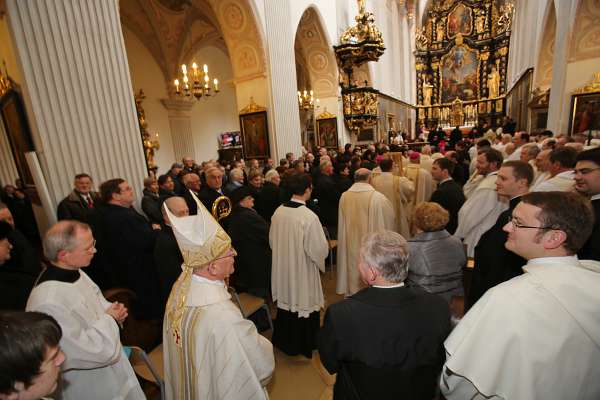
(461, 61)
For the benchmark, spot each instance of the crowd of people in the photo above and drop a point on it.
(405, 218)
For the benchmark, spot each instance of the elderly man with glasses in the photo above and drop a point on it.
(536, 336)
(96, 366)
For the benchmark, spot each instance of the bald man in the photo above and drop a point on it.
(362, 210)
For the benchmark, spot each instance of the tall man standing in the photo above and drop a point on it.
(448, 193)
(587, 182)
(96, 366)
(80, 201)
(482, 208)
(299, 251)
(494, 264)
(537, 335)
(362, 210)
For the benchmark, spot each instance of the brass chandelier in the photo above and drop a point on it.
(195, 83)
(306, 100)
(359, 44)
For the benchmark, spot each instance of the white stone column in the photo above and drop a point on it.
(285, 116)
(180, 122)
(77, 91)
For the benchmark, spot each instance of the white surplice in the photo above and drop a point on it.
(362, 210)
(399, 191)
(299, 252)
(562, 182)
(539, 179)
(96, 366)
(222, 356)
(423, 181)
(536, 336)
(479, 213)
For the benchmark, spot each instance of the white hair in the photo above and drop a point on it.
(388, 252)
(270, 175)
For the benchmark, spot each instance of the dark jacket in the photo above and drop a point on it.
(250, 237)
(494, 264)
(385, 344)
(151, 206)
(168, 260)
(450, 196)
(18, 273)
(591, 248)
(343, 183)
(328, 195)
(436, 262)
(75, 207)
(268, 201)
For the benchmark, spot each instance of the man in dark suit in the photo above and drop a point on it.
(191, 183)
(495, 264)
(328, 195)
(80, 201)
(448, 193)
(386, 341)
(587, 182)
(213, 188)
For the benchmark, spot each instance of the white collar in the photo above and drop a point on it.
(361, 187)
(492, 174)
(389, 287)
(595, 197)
(565, 174)
(201, 279)
(298, 201)
(445, 180)
(554, 260)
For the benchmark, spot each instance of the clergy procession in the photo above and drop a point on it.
(398, 276)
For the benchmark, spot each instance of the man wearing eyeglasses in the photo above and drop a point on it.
(587, 182)
(96, 366)
(536, 336)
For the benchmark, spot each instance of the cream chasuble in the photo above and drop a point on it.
(222, 356)
(536, 336)
(563, 182)
(479, 213)
(362, 210)
(96, 367)
(399, 191)
(424, 183)
(295, 279)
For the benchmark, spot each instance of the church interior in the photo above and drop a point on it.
(149, 90)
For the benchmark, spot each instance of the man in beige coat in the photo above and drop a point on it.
(362, 210)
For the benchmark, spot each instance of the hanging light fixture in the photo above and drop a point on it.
(195, 82)
(306, 100)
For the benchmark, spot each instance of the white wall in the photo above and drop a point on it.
(147, 75)
(217, 114)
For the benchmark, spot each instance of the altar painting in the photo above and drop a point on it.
(459, 74)
(460, 20)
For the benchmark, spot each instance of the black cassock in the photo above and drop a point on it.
(168, 260)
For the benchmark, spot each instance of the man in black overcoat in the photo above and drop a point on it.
(79, 203)
(448, 194)
(386, 341)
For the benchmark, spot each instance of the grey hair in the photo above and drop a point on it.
(532, 149)
(270, 175)
(362, 176)
(62, 236)
(236, 173)
(387, 251)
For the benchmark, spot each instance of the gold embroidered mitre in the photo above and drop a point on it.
(201, 240)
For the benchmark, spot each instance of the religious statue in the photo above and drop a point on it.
(493, 83)
(421, 40)
(427, 92)
(506, 14)
(371, 103)
(480, 22)
(440, 32)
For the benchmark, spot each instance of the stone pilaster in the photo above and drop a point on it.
(77, 91)
(8, 169)
(180, 123)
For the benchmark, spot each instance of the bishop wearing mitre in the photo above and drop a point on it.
(210, 350)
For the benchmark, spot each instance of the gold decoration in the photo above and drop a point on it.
(150, 145)
(593, 87)
(252, 108)
(503, 51)
(5, 82)
(506, 15)
(221, 207)
(459, 39)
(421, 40)
(484, 56)
(326, 115)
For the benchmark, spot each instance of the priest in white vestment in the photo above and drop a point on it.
(536, 336)
(562, 176)
(482, 208)
(299, 252)
(542, 164)
(362, 210)
(210, 350)
(421, 178)
(96, 366)
(399, 190)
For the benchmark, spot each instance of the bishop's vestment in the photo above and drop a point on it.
(424, 183)
(399, 191)
(362, 210)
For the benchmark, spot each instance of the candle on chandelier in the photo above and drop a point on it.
(176, 85)
(205, 68)
(184, 69)
(216, 83)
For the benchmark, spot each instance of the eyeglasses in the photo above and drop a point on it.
(516, 225)
(92, 247)
(585, 171)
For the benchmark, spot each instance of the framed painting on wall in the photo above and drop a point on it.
(366, 135)
(327, 133)
(585, 114)
(255, 135)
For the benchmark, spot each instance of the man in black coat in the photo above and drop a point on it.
(495, 264)
(587, 182)
(270, 196)
(386, 341)
(17, 274)
(328, 195)
(166, 187)
(151, 202)
(125, 243)
(175, 174)
(78, 204)
(191, 183)
(249, 234)
(213, 188)
(448, 193)
(167, 256)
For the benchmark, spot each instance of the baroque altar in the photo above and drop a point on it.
(461, 62)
